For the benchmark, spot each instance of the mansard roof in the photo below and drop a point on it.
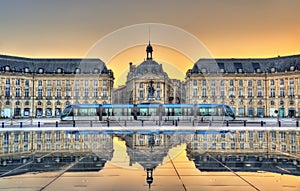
(148, 67)
(52, 65)
(248, 65)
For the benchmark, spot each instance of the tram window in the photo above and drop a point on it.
(177, 112)
(220, 111)
(152, 111)
(143, 111)
(117, 111)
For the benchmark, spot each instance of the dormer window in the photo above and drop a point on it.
(240, 70)
(258, 70)
(26, 70)
(96, 70)
(41, 70)
(222, 70)
(204, 70)
(7, 68)
(59, 70)
(273, 70)
(292, 68)
(77, 71)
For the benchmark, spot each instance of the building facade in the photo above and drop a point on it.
(148, 83)
(43, 87)
(252, 87)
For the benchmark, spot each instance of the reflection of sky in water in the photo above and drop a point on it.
(177, 162)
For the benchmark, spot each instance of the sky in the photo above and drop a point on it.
(227, 28)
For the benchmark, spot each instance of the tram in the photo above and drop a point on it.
(183, 112)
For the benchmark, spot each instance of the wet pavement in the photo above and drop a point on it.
(150, 160)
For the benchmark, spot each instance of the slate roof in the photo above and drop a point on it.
(50, 65)
(248, 65)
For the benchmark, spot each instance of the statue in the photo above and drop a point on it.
(151, 90)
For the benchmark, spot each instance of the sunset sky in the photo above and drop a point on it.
(227, 28)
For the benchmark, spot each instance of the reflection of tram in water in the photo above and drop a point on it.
(147, 112)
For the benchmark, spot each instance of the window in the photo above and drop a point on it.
(260, 135)
(222, 91)
(104, 83)
(58, 83)
(86, 83)
(283, 136)
(86, 92)
(7, 92)
(18, 92)
(49, 92)
(281, 92)
(49, 83)
(204, 83)
(68, 83)
(95, 93)
(292, 92)
(195, 83)
(213, 83)
(26, 82)
(104, 93)
(259, 83)
(158, 85)
(231, 83)
(58, 93)
(158, 94)
(77, 92)
(250, 134)
(272, 92)
(241, 93)
(273, 135)
(291, 81)
(141, 94)
(76, 83)
(250, 83)
(281, 81)
(68, 93)
(231, 92)
(18, 82)
(250, 92)
(222, 83)
(95, 83)
(204, 92)
(272, 82)
(213, 92)
(259, 93)
(40, 93)
(26, 92)
(240, 82)
(40, 83)
(141, 85)
(195, 92)
(7, 82)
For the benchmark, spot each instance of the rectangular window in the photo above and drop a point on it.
(49, 92)
(283, 136)
(58, 83)
(18, 92)
(95, 93)
(141, 94)
(241, 92)
(26, 92)
(204, 83)
(260, 135)
(86, 92)
(281, 92)
(291, 81)
(7, 92)
(292, 92)
(104, 83)
(68, 93)
(259, 83)
(76, 92)
(259, 93)
(104, 93)
(195, 93)
(273, 135)
(272, 92)
(158, 85)
(240, 82)
(58, 93)
(18, 82)
(86, 83)
(49, 83)
(40, 83)
(158, 94)
(281, 82)
(76, 83)
(231, 92)
(213, 92)
(195, 83)
(231, 83)
(204, 94)
(250, 92)
(96, 83)
(249, 83)
(7, 81)
(68, 83)
(222, 91)
(213, 83)
(40, 93)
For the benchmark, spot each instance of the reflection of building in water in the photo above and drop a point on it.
(149, 150)
(249, 141)
(274, 151)
(88, 150)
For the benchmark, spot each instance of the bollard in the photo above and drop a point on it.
(2, 124)
(244, 123)
(91, 123)
(279, 123)
(142, 123)
(39, 124)
(261, 123)
(297, 123)
(193, 123)
(209, 124)
(21, 124)
(73, 123)
(159, 123)
(173, 122)
(227, 123)
(107, 123)
(201, 119)
(56, 124)
(125, 123)
(176, 123)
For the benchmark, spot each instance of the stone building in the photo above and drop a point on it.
(148, 83)
(43, 87)
(252, 87)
